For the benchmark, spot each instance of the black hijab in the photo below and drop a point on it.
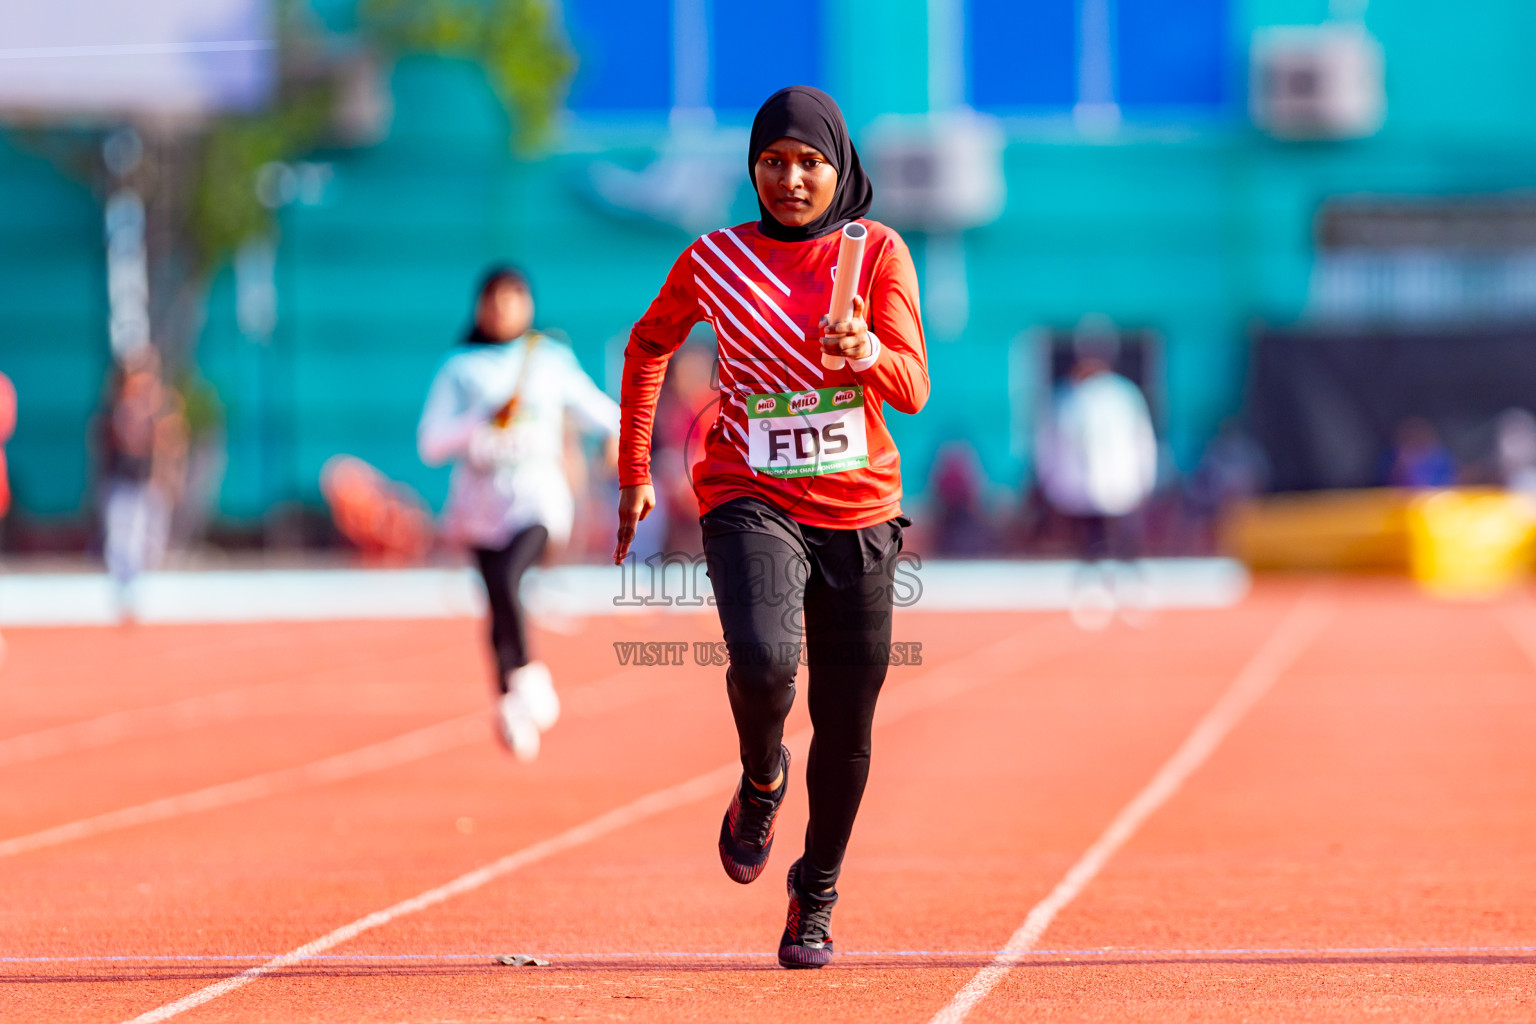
(495, 277)
(811, 116)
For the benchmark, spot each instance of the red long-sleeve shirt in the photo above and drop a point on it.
(765, 300)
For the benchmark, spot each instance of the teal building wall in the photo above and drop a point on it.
(53, 327)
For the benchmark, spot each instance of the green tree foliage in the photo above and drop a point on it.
(520, 44)
(226, 210)
(199, 181)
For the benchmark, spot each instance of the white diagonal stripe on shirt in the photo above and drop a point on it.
(739, 429)
(725, 367)
(736, 402)
(729, 358)
(748, 335)
(780, 285)
(753, 285)
(751, 309)
(744, 357)
(725, 417)
(723, 411)
(732, 351)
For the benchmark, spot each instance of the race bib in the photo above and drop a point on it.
(807, 433)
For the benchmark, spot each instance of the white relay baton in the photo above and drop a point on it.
(850, 258)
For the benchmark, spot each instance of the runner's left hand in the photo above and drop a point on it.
(848, 338)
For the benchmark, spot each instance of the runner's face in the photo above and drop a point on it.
(795, 182)
(505, 312)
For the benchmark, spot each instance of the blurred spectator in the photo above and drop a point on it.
(7, 427)
(1097, 452)
(1517, 451)
(143, 448)
(684, 414)
(1418, 458)
(591, 510)
(1233, 468)
(959, 527)
(206, 461)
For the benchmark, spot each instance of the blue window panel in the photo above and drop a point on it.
(1023, 53)
(1172, 52)
(742, 77)
(625, 49)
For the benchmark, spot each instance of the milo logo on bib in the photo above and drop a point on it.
(807, 433)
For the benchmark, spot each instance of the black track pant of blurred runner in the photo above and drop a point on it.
(775, 579)
(502, 569)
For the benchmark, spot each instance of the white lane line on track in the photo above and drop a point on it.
(1294, 634)
(592, 698)
(648, 806)
(1520, 623)
(158, 719)
(943, 682)
(674, 954)
(185, 715)
(412, 746)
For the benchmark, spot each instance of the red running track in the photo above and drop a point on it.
(1359, 842)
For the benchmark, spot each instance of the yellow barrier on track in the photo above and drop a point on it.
(1321, 531)
(1469, 544)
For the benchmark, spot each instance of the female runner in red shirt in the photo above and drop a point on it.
(799, 481)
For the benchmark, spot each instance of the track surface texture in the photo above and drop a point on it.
(1319, 805)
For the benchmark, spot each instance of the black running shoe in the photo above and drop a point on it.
(746, 834)
(807, 939)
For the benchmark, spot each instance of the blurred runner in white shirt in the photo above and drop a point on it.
(497, 410)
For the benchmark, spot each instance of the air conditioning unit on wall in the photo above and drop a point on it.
(1317, 82)
(938, 172)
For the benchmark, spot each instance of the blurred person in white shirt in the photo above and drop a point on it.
(497, 410)
(1517, 451)
(1097, 458)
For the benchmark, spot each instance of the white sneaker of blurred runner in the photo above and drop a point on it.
(1135, 600)
(537, 689)
(1092, 603)
(516, 724)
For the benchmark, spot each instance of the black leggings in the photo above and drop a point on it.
(774, 581)
(502, 569)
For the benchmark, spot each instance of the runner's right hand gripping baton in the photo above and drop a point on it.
(850, 258)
